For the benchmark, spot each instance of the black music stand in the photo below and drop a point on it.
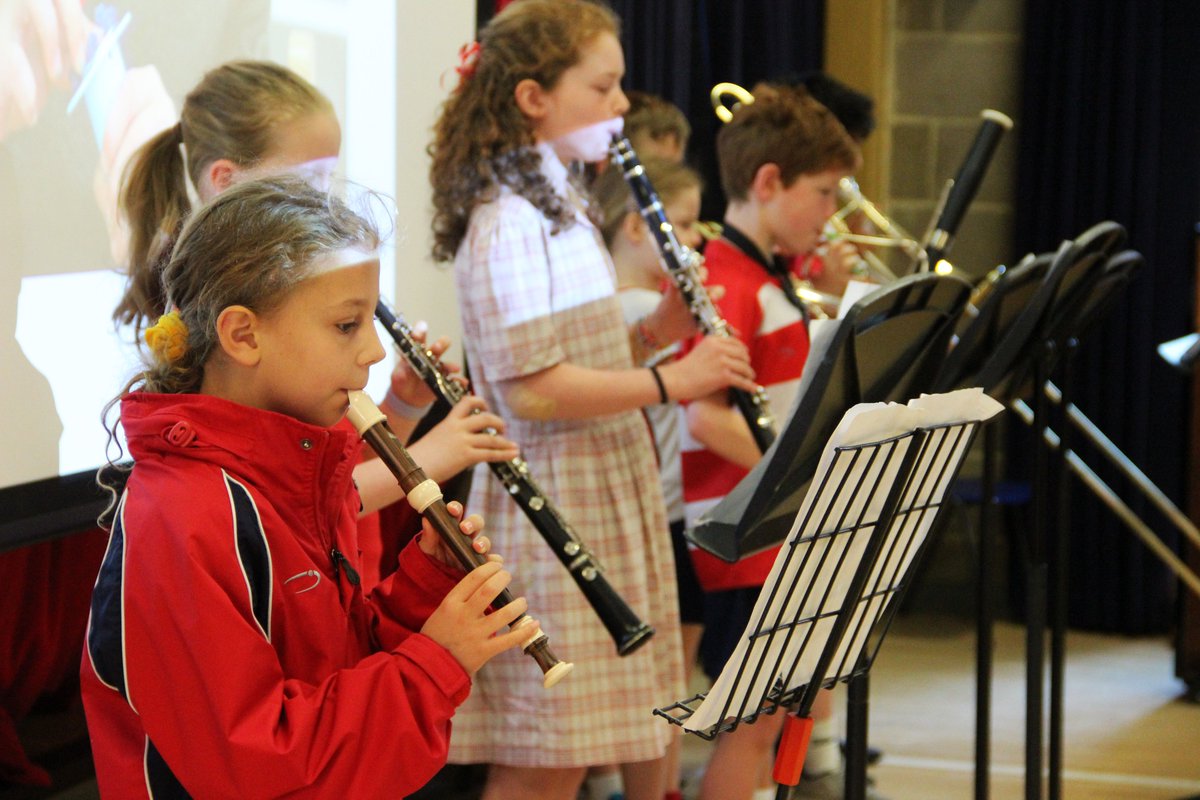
(835, 586)
(1010, 312)
(888, 347)
(1066, 289)
(1079, 307)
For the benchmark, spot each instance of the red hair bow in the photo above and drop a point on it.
(468, 60)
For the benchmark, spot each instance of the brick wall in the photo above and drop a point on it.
(948, 60)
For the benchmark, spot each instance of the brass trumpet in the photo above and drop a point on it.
(889, 233)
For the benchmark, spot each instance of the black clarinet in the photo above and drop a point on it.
(627, 630)
(683, 264)
(425, 497)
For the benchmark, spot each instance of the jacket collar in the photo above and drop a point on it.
(302, 468)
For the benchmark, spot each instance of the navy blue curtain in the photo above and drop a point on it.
(1109, 128)
(680, 49)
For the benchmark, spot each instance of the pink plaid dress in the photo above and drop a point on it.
(530, 300)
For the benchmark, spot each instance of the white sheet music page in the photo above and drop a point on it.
(808, 588)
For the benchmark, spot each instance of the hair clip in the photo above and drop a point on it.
(468, 61)
(167, 338)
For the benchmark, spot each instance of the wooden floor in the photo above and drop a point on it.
(1128, 733)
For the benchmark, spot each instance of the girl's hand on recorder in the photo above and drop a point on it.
(431, 543)
(42, 44)
(462, 624)
(715, 363)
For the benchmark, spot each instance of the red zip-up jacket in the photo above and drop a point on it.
(230, 652)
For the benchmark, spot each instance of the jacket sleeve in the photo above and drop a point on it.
(405, 599)
(216, 702)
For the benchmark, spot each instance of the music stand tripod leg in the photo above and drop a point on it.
(856, 736)
(985, 615)
(1060, 560)
(1036, 586)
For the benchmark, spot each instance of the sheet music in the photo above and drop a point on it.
(811, 588)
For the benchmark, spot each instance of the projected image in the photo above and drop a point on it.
(82, 86)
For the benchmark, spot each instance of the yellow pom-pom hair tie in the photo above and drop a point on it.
(167, 338)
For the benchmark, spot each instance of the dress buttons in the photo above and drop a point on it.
(306, 444)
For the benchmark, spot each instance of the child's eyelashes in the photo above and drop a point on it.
(347, 327)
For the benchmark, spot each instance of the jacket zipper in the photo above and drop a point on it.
(340, 561)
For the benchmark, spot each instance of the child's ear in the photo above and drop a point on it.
(633, 228)
(767, 181)
(531, 98)
(237, 334)
(221, 175)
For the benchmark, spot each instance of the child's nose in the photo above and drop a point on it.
(622, 104)
(374, 352)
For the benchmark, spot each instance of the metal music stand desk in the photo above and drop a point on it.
(1078, 307)
(834, 588)
(888, 347)
(1008, 351)
(1009, 313)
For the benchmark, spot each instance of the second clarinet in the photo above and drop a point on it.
(682, 264)
(627, 630)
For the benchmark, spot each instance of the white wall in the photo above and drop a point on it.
(386, 65)
(429, 36)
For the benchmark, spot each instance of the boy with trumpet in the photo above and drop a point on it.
(780, 157)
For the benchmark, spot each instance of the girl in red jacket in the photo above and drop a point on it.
(248, 119)
(230, 650)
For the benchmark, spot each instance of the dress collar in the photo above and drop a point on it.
(554, 170)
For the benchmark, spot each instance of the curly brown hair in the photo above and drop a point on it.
(481, 139)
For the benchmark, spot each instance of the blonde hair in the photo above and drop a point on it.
(234, 113)
(655, 117)
(481, 138)
(615, 199)
(783, 126)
